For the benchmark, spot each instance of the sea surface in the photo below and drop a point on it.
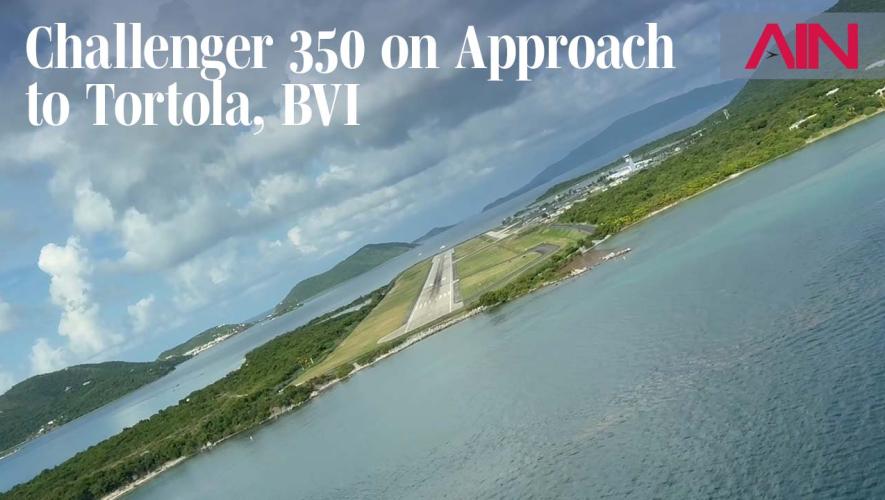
(737, 351)
(57, 446)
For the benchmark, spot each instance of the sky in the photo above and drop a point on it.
(117, 243)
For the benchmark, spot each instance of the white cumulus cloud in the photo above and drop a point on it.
(45, 358)
(298, 242)
(275, 191)
(197, 280)
(69, 268)
(154, 242)
(92, 210)
(140, 313)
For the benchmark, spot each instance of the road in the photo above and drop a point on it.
(437, 298)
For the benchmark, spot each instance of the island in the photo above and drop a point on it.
(363, 260)
(43, 402)
(204, 340)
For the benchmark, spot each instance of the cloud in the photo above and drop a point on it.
(298, 242)
(154, 243)
(69, 268)
(176, 193)
(269, 247)
(92, 211)
(140, 314)
(7, 320)
(6, 381)
(273, 192)
(196, 281)
(45, 358)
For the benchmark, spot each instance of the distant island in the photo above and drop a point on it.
(631, 128)
(43, 402)
(204, 340)
(363, 260)
(430, 234)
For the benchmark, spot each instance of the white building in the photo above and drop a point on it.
(629, 161)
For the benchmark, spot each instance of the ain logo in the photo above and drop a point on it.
(806, 53)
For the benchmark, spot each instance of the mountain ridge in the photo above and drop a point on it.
(366, 258)
(42, 402)
(628, 128)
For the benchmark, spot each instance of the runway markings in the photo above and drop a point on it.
(437, 295)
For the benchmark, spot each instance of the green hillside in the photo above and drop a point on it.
(630, 128)
(62, 396)
(203, 338)
(785, 102)
(364, 259)
(762, 126)
(246, 397)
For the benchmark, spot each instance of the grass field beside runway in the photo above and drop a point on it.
(540, 235)
(390, 314)
(479, 282)
(472, 245)
(487, 257)
(483, 264)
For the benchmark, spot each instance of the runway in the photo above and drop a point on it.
(437, 298)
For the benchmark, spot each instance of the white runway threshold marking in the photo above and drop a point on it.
(437, 298)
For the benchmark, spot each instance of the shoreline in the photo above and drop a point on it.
(433, 329)
(12, 451)
(147, 477)
(838, 128)
(411, 340)
(823, 135)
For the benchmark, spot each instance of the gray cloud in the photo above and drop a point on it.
(163, 179)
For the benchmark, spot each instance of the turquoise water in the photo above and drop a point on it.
(738, 351)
